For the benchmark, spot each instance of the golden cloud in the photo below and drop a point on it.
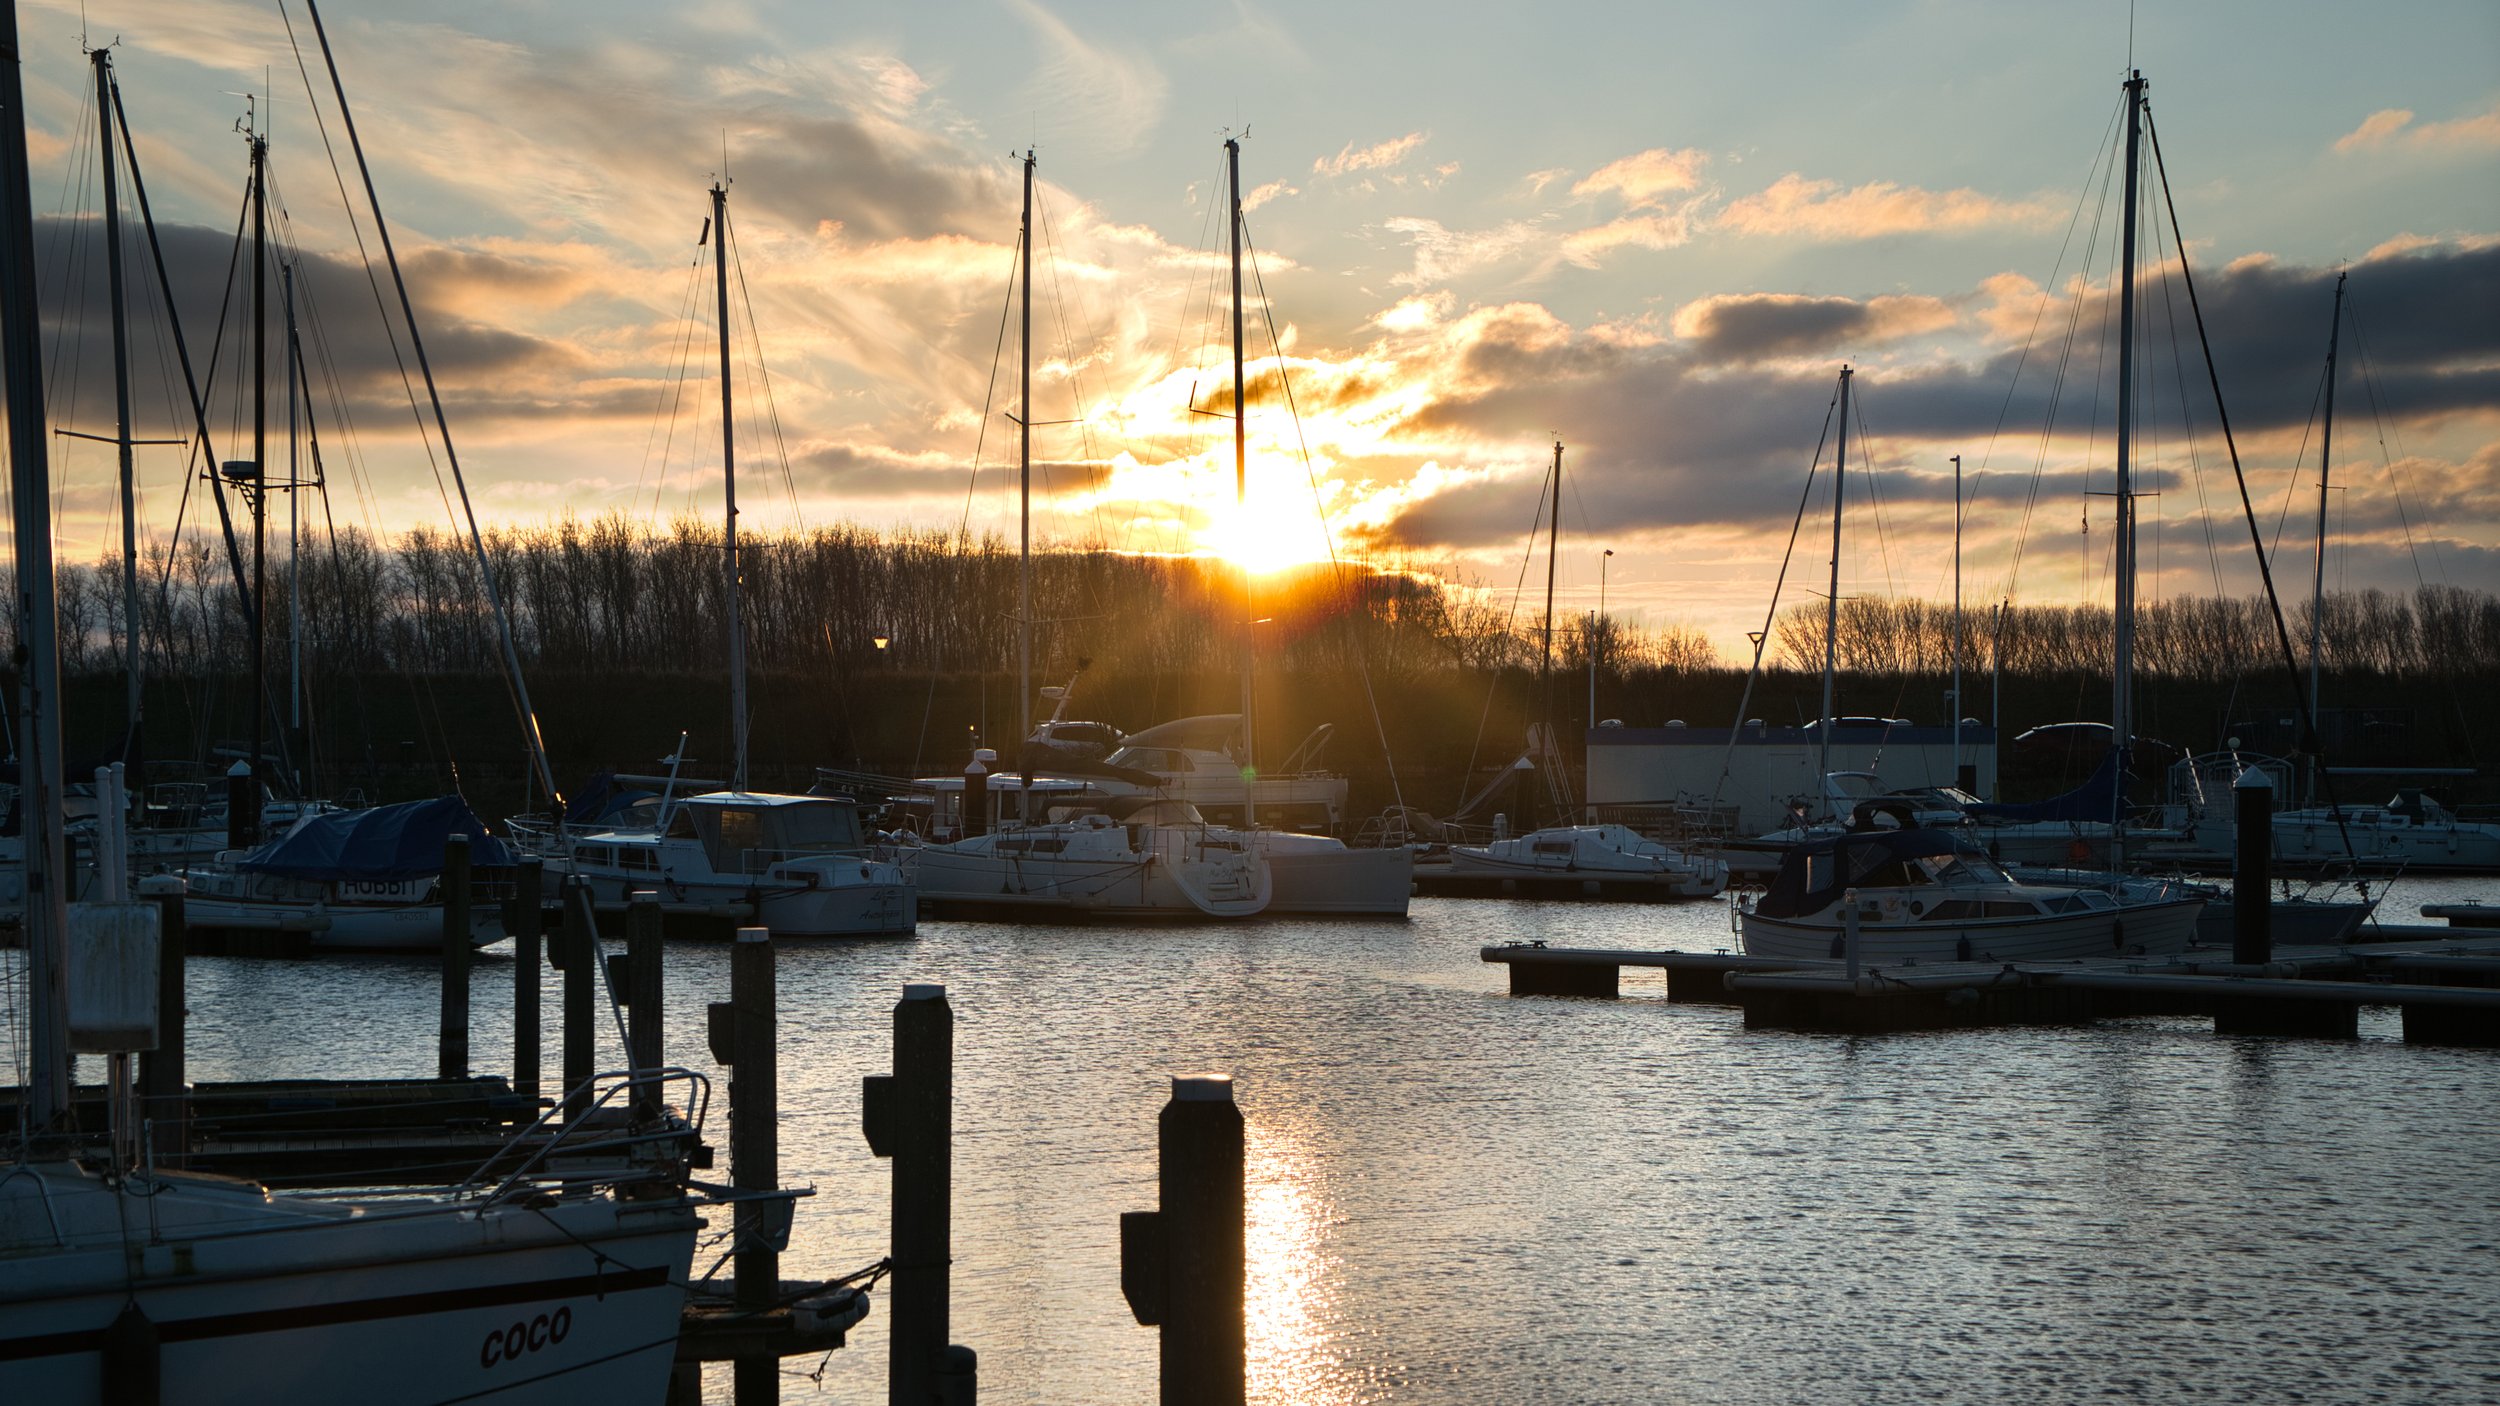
(1822, 210)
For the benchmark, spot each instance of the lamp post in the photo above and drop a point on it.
(1596, 637)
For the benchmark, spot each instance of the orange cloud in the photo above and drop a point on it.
(1588, 246)
(1370, 158)
(1644, 176)
(2396, 125)
(1822, 210)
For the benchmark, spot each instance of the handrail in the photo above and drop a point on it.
(601, 1089)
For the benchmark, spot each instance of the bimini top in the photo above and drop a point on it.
(1208, 732)
(1815, 874)
(403, 841)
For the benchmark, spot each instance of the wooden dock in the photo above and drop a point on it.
(2445, 981)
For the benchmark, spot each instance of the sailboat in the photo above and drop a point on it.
(120, 1281)
(1575, 861)
(1928, 894)
(802, 866)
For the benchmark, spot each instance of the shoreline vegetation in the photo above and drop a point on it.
(619, 638)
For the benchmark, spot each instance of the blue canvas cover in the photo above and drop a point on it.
(606, 796)
(2095, 799)
(1863, 855)
(403, 841)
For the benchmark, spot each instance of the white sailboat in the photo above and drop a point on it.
(119, 1281)
(1025, 845)
(800, 865)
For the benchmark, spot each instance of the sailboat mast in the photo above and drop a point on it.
(729, 493)
(1957, 619)
(294, 546)
(1024, 498)
(39, 675)
(260, 470)
(1241, 508)
(2326, 467)
(121, 421)
(2122, 652)
(1831, 600)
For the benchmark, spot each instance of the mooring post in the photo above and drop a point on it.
(451, 1059)
(579, 939)
(1852, 924)
(754, 1145)
(1182, 1265)
(527, 915)
(162, 1077)
(2252, 874)
(642, 997)
(909, 1116)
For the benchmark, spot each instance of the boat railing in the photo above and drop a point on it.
(618, 1112)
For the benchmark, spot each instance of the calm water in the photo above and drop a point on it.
(1462, 1196)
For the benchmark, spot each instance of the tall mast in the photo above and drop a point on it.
(39, 676)
(2326, 466)
(2122, 654)
(1831, 601)
(294, 553)
(729, 493)
(1957, 619)
(1241, 509)
(260, 469)
(1024, 501)
(1545, 668)
(121, 422)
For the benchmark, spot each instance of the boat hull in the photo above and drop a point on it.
(2149, 930)
(573, 1302)
(1166, 883)
(1340, 882)
(865, 908)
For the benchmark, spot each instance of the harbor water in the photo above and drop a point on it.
(1457, 1195)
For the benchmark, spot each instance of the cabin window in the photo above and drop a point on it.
(594, 854)
(638, 857)
(1553, 846)
(740, 832)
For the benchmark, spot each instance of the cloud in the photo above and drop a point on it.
(1754, 326)
(1378, 157)
(1273, 190)
(2395, 125)
(1113, 97)
(1794, 205)
(1644, 176)
(1443, 254)
(1588, 247)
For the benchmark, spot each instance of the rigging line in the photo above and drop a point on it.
(71, 249)
(1097, 474)
(2283, 638)
(1509, 644)
(517, 686)
(1770, 615)
(764, 375)
(664, 409)
(1319, 504)
(2382, 424)
(2196, 462)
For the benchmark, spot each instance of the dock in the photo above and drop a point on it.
(2444, 981)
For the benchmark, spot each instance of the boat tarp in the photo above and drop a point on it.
(607, 796)
(2095, 799)
(1861, 854)
(1208, 732)
(403, 841)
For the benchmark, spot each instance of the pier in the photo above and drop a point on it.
(2446, 984)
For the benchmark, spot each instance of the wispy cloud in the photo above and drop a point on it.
(1442, 254)
(2395, 125)
(1379, 156)
(1794, 205)
(1640, 179)
(1588, 247)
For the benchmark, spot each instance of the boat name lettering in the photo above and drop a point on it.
(506, 1344)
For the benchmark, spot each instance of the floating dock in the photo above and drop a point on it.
(2445, 981)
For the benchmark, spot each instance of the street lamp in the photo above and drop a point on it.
(881, 639)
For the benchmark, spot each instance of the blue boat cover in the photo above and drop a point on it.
(604, 797)
(2096, 799)
(1868, 858)
(403, 841)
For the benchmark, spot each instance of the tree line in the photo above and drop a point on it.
(611, 597)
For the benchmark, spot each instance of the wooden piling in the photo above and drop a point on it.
(643, 998)
(909, 1116)
(581, 1030)
(1182, 1264)
(451, 1060)
(754, 1144)
(2252, 877)
(163, 1079)
(523, 922)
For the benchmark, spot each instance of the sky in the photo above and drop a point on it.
(1653, 233)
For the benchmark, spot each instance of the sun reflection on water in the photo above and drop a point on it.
(1292, 1288)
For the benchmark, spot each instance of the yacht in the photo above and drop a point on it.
(354, 880)
(802, 866)
(1925, 895)
(1592, 861)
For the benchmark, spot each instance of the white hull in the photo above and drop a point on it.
(1603, 861)
(2382, 842)
(1176, 877)
(338, 918)
(2151, 930)
(1339, 880)
(861, 908)
(254, 1299)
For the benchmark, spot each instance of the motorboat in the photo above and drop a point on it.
(2412, 832)
(1594, 861)
(354, 880)
(1925, 895)
(802, 866)
(1083, 854)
